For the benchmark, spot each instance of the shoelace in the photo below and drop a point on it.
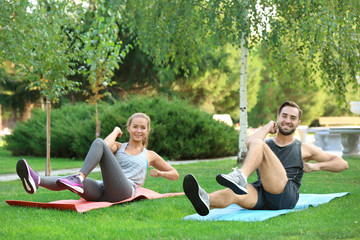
(234, 173)
(73, 177)
(237, 174)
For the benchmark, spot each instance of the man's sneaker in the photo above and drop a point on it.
(197, 195)
(29, 177)
(72, 182)
(235, 180)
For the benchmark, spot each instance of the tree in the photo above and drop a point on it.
(40, 43)
(101, 52)
(324, 35)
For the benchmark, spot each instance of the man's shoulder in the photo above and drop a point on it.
(308, 150)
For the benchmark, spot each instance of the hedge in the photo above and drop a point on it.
(178, 130)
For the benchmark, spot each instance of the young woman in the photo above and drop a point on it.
(123, 166)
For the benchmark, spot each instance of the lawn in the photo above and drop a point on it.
(162, 218)
(8, 162)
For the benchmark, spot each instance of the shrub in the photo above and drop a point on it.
(179, 131)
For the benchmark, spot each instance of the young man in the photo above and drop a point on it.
(280, 163)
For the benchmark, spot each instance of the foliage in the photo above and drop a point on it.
(179, 130)
(40, 45)
(13, 94)
(324, 35)
(289, 85)
(183, 30)
(100, 51)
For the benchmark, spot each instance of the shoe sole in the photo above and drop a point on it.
(73, 189)
(22, 170)
(191, 189)
(230, 184)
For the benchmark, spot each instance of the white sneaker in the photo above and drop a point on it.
(235, 180)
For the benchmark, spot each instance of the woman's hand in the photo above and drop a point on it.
(155, 173)
(118, 131)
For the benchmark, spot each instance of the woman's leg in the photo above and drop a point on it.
(116, 186)
(93, 189)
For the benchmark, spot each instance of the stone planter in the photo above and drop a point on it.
(355, 107)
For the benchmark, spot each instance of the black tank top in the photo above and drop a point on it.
(291, 158)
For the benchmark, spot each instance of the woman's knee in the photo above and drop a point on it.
(98, 142)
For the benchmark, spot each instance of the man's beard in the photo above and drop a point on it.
(286, 133)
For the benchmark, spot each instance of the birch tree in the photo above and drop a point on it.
(324, 35)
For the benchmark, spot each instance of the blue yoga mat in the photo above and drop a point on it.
(236, 213)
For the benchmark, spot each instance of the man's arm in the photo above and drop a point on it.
(271, 127)
(325, 161)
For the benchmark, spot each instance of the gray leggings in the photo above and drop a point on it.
(114, 187)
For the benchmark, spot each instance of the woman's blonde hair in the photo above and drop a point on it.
(142, 115)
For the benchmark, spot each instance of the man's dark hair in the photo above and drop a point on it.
(291, 104)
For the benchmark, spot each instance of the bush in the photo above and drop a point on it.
(178, 130)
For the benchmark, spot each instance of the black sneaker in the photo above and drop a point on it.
(197, 195)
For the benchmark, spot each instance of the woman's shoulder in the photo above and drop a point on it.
(120, 145)
(152, 155)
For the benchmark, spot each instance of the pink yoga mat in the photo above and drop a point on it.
(82, 205)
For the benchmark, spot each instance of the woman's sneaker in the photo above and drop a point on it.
(235, 180)
(29, 177)
(72, 182)
(197, 195)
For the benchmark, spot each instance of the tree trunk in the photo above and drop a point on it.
(48, 109)
(26, 114)
(243, 104)
(97, 134)
(0, 119)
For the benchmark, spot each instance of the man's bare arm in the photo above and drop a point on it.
(324, 161)
(271, 127)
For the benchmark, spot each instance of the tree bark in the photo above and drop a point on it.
(243, 104)
(0, 118)
(48, 109)
(97, 134)
(26, 114)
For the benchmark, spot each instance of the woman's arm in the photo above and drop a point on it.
(110, 139)
(162, 168)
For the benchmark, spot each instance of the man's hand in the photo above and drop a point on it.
(310, 167)
(273, 127)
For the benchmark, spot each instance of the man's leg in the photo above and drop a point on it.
(259, 156)
(202, 202)
(272, 173)
(225, 197)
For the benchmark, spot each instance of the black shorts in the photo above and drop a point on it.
(285, 200)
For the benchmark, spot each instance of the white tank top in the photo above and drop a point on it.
(134, 166)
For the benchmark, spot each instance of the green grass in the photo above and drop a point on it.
(8, 162)
(162, 218)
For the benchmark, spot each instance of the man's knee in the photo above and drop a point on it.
(256, 143)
